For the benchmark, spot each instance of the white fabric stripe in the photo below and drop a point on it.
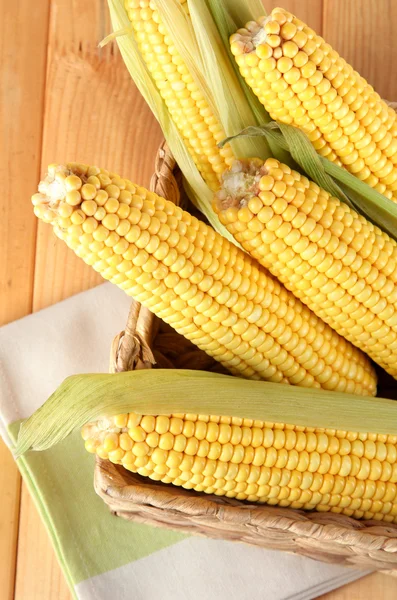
(203, 569)
(38, 352)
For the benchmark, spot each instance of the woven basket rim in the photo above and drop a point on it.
(125, 486)
(326, 536)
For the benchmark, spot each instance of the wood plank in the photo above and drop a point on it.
(93, 114)
(10, 484)
(375, 586)
(362, 31)
(309, 11)
(22, 81)
(39, 576)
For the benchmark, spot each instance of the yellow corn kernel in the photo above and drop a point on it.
(290, 466)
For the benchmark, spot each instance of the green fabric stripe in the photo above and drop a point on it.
(87, 538)
(40, 505)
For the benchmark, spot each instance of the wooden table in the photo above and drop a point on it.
(64, 99)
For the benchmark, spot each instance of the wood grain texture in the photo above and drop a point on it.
(10, 481)
(39, 576)
(372, 587)
(309, 11)
(93, 113)
(22, 84)
(363, 32)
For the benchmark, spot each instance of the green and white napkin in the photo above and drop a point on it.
(102, 556)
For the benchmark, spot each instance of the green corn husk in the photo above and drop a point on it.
(237, 12)
(84, 398)
(223, 82)
(229, 16)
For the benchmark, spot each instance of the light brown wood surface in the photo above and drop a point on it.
(22, 86)
(64, 99)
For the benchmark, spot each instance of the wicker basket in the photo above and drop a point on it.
(328, 537)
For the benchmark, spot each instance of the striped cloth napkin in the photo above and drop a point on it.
(102, 556)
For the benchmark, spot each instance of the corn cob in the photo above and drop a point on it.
(335, 261)
(302, 81)
(188, 108)
(197, 281)
(327, 470)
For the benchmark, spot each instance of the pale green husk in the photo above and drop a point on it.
(223, 82)
(237, 12)
(201, 195)
(229, 16)
(84, 398)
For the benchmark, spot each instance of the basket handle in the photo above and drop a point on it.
(163, 181)
(131, 348)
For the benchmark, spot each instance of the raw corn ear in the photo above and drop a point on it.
(302, 81)
(266, 450)
(205, 54)
(86, 398)
(337, 263)
(300, 467)
(189, 108)
(205, 287)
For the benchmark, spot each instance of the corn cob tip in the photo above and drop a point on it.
(239, 183)
(51, 193)
(62, 192)
(74, 198)
(271, 31)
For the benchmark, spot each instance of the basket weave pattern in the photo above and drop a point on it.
(328, 537)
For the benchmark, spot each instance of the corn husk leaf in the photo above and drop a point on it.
(229, 16)
(306, 156)
(236, 12)
(201, 195)
(84, 398)
(378, 209)
(180, 30)
(233, 111)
